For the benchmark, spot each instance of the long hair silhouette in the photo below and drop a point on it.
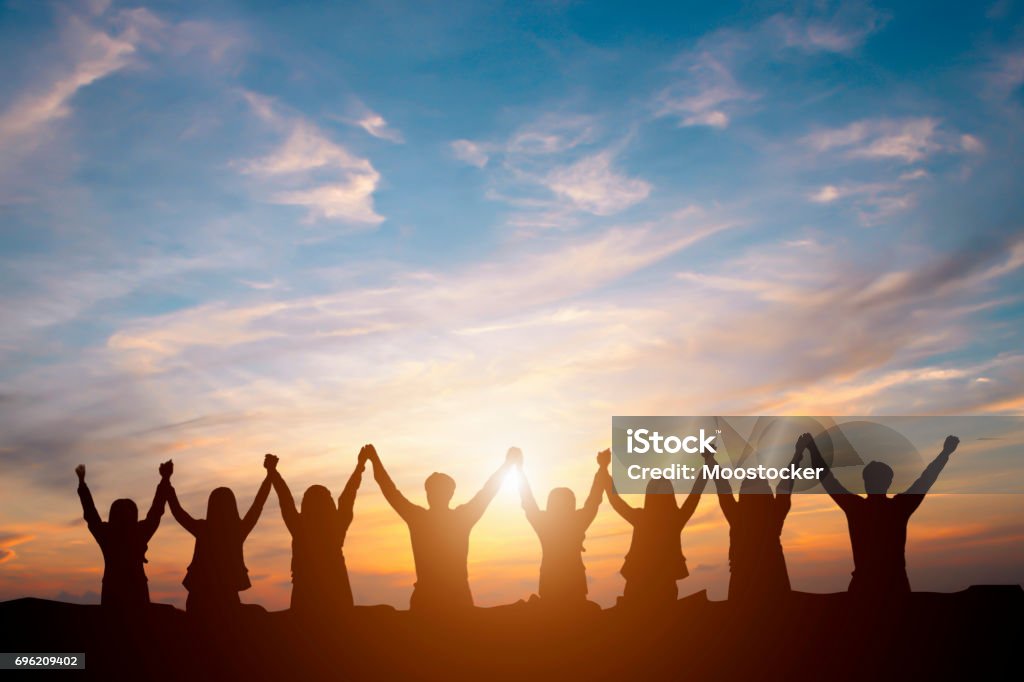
(217, 572)
(320, 583)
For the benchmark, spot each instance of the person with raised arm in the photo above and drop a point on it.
(320, 584)
(217, 572)
(878, 523)
(562, 528)
(123, 540)
(440, 534)
(655, 558)
(757, 564)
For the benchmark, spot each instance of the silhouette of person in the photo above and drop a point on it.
(123, 540)
(655, 558)
(562, 529)
(217, 572)
(757, 565)
(320, 585)
(440, 534)
(878, 523)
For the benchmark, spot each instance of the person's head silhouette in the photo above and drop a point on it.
(561, 501)
(877, 478)
(222, 509)
(440, 490)
(317, 503)
(755, 492)
(123, 513)
(660, 497)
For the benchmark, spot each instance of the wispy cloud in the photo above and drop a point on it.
(555, 153)
(705, 96)
(375, 125)
(592, 185)
(324, 177)
(471, 152)
(709, 93)
(908, 140)
(93, 54)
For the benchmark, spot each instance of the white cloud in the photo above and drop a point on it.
(841, 33)
(908, 140)
(94, 55)
(375, 125)
(826, 195)
(321, 175)
(593, 186)
(971, 144)
(349, 200)
(472, 153)
(708, 93)
(703, 96)
(876, 201)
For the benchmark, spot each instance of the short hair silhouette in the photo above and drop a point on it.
(440, 489)
(877, 478)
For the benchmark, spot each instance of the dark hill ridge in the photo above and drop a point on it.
(809, 636)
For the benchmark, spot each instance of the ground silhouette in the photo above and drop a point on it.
(804, 637)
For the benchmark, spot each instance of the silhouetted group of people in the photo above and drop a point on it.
(439, 536)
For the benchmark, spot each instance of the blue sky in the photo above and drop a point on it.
(229, 228)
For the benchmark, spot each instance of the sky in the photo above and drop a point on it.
(450, 228)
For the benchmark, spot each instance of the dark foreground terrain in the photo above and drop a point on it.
(937, 636)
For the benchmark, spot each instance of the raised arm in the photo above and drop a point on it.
(396, 499)
(253, 515)
(180, 515)
(289, 514)
(347, 499)
(839, 494)
(476, 507)
(623, 509)
(689, 505)
(784, 490)
(593, 502)
(918, 489)
(156, 510)
(89, 513)
(724, 489)
(527, 499)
